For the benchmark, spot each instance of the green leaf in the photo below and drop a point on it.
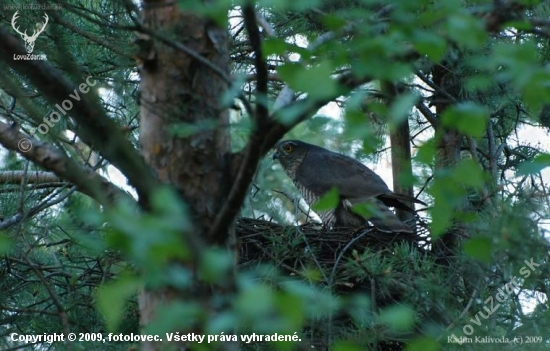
(290, 113)
(535, 90)
(311, 274)
(356, 101)
(479, 248)
(401, 107)
(468, 173)
(319, 123)
(316, 81)
(448, 189)
(518, 58)
(317, 301)
(372, 142)
(215, 265)
(441, 219)
(466, 30)
(274, 46)
(221, 322)
(356, 127)
(167, 203)
(175, 276)
(328, 201)
(397, 317)
(296, 5)
(423, 343)
(479, 82)
(333, 22)
(175, 315)
(151, 239)
(468, 118)
(111, 299)
(364, 209)
(256, 301)
(430, 44)
(448, 194)
(278, 46)
(426, 152)
(539, 163)
(343, 345)
(6, 244)
(292, 309)
(216, 11)
(184, 130)
(359, 308)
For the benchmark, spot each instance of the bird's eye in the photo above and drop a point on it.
(287, 148)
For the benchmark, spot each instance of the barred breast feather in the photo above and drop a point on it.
(327, 217)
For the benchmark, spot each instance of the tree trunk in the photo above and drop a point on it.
(448, 150)
(400, 152)
(402, 164)
(178, 88)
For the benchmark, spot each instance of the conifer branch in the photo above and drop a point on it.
(51, 158)
(94, 127)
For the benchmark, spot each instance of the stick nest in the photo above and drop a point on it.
(293, 248)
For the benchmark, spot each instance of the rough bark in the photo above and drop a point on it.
(178, 88)
(401, 164)
(448, 148)
(400, 153)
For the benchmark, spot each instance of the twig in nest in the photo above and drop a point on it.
(341, 254)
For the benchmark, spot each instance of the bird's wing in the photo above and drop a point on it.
(320, 170)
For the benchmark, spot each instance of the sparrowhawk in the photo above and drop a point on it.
(316, 170)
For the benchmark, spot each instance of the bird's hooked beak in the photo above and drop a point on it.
(276, 154)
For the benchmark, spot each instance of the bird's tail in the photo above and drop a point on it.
(376, 212)
(397, 201)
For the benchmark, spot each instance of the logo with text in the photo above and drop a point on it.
(29, 39)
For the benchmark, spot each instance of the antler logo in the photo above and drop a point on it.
(29, 40)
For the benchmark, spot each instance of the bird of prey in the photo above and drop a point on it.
(315, 170)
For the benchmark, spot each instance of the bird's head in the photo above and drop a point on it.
(290, 152)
